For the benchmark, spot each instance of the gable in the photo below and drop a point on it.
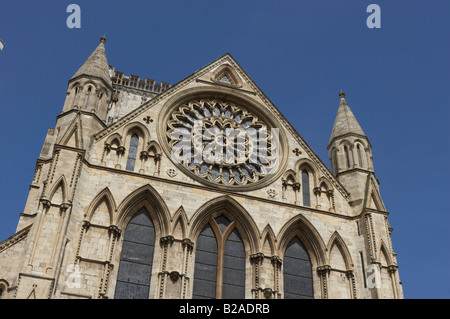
(225, 81)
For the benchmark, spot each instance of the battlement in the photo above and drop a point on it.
(134, 81)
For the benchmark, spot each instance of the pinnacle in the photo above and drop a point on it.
(97, 64)
(345, 121)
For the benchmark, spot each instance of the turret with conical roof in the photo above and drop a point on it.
(91, 85)
(351, 154)
(349, 148)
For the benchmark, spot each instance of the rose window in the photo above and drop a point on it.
(222, 142)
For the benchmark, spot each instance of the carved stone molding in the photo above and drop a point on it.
(187, 243)
(46, 203)
(276, 260)
(257, 258)
(174, 276)
(317, 191)
(15, 238)
(144, 155)
(120, 150)
(64, 207)
(392, 268)
(168, 240)
(114, 231)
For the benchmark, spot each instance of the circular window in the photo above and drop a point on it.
(221, 142)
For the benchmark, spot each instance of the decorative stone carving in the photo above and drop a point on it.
(296, 151)
(217, 156)
(171, 172)
(174, 276)
(272, 193)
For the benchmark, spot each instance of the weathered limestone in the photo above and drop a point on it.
(69, 239)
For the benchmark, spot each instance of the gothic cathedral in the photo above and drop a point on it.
(201, 189)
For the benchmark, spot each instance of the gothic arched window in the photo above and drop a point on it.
(297, 272)
(132, 152)
(335, 161)
(359, 156)
(88, 94)
(135, 268)
(347, 156)
(305, 186)
(219, 262)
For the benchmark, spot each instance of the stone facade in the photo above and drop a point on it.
(71, 236)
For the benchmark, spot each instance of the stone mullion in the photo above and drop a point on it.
(114, 234)
(296, 187)
(144, 157)
(317, 192)
(165, 242)
(351, 279)
(369, 237)
(256, 260)
(392, 270)
(50, 174)
(106, 150)
(84, 229)
(276, 262)
(188, 247)
(330, 196)
(61, 234)
(323, 272)
(158, 164)
(120, 152)
(37, 228)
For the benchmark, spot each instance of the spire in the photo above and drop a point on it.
(97, 64)
(345, 121)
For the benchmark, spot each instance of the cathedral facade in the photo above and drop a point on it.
(197, 190)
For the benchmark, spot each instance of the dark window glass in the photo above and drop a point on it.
(211, 257)
(205, 273)
(306, 192)
(297, 272)
(135, 268)
(132, 152)
(234, 268)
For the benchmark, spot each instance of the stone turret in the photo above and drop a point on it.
(350, 151)
(90, 88)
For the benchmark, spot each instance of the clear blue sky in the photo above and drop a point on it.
(300, 53)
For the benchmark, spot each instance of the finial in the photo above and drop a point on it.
(341, 94)
(103, 39)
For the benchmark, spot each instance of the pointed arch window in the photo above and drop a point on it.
(347, 156)
(88, 94)
(335, 161)
(219, 262)
(132, 152)
(358, 149)
(305, 186)
(135, 267)
(297, 271)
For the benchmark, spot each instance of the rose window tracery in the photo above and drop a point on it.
(222, 142)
